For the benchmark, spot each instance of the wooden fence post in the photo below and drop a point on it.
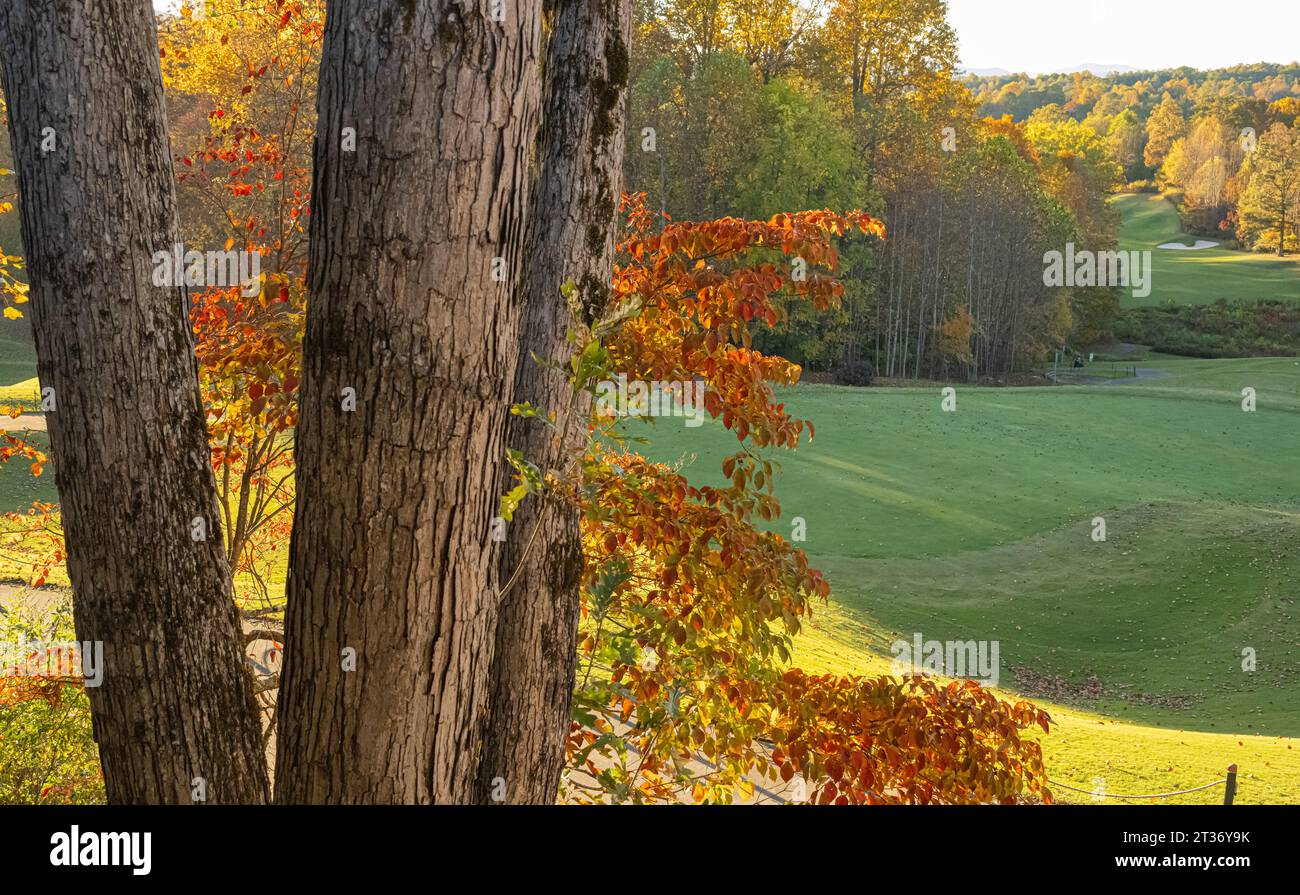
(1230, 790)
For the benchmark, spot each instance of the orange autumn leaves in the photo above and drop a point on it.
(697, 288)
(915, 740)
(249, 357)
(689, 607)
(250, 68)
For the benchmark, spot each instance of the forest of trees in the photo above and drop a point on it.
(1221, 143)
(741, 108)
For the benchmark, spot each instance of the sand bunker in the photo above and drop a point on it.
(1200, 244)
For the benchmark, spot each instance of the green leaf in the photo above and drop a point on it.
(510, 501)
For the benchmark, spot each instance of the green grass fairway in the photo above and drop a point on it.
(18, 487)
(1201, 276)
(17, 352)
(976, 525)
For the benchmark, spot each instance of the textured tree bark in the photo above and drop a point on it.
(89, 129)
(571, 238)
(411, 312)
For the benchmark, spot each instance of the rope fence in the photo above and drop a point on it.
(1229, 793)
(1229, 782)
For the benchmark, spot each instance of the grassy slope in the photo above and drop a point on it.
(17, 352)
(18, 385)
(1202, 276)
(18, 487)
(976, 525)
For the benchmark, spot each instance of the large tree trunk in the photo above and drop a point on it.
(571, 238)
(391, 554)
(89, 130)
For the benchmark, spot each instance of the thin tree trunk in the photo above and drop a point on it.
(571, 239)
(417, 244)
(89, 129)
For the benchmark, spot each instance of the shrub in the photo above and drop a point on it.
(857, 373)
(1220, 329)
(47, 752)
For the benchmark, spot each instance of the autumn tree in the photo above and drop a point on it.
(890, 52)
(1079, 171)
(565, 287)
(174, 718)
(1125, 138)
(892, 65)
(245, 74)
(1286, 110)
(768, 33)
(1270, 205)
(418, 226)
(1203, 166)
(701, 122)
(1165, 125)
(805, 158)
(691, 598)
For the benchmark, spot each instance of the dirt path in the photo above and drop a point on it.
(27, 422)
(39, 600)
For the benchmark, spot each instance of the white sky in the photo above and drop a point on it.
(1050, 35)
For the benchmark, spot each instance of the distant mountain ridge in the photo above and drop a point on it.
(1101, 70)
